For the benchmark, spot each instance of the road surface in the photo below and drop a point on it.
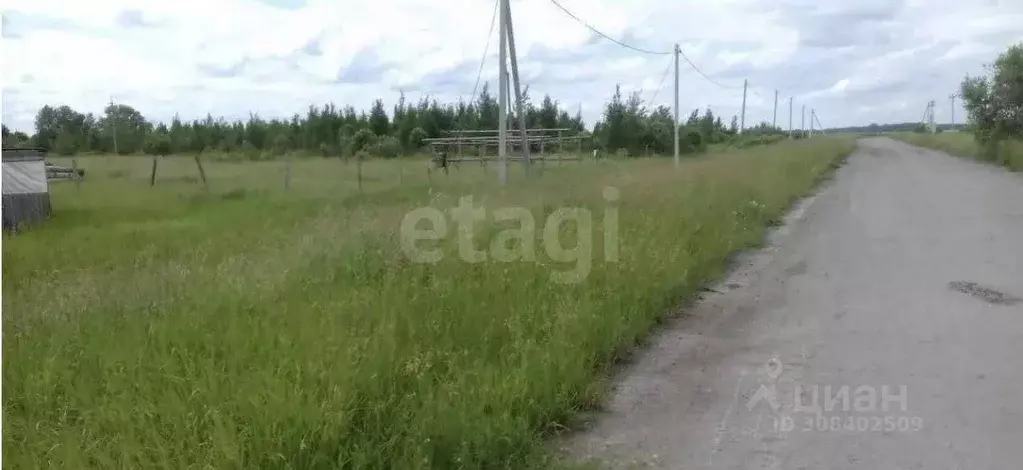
(882, 328)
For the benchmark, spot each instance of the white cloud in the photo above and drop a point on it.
(230, 57)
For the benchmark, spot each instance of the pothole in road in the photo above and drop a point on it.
(988, 295)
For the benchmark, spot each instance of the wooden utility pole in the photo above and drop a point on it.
(675, 127)
(518, 88)
(952, 99)
(116, 125)
(502, 101)
(742, 120)
(774, 122)
(811, 122)
(790, 117)
(802, 122)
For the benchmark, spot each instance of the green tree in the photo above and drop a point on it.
(66, 143)
(488, 109)
(386, 147)
(281, 144)
(994, 104)
(362, 140)
(158, 143)
(378, 122)
(126, 127)
(415, 138)
(14, 139)
(51, 121)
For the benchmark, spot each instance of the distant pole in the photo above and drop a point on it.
(675, 126)
(811, 122)
(502, 115)
(802, 122)
(116, 122)
(518, 89)
(930, 117)
(774, 122)
(742, 120)
(820, 127)
(790, 117)
(952, 98)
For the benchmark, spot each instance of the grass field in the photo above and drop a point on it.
(1009, 154)
(252, 327)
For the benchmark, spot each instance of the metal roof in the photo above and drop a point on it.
(23, 154)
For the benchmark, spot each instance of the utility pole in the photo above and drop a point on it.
(117, 119)
(802, 122)
(774, 122)
(742, 120)
(820, 127)
(518, 89)
(930, 117)
(952, 98)
(811, 123)
(790, 117)
(502, 102)
(675, 124)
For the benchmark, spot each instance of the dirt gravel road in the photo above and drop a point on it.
(891, 301)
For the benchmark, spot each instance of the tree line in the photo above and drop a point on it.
(994, 104)
(626, 127)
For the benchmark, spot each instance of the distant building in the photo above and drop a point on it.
(26, 193)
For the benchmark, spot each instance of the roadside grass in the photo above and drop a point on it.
(1008, 153)
(172, 327)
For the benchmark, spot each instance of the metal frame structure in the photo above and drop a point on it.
(453, 149)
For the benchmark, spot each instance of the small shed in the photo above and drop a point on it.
(26, 193)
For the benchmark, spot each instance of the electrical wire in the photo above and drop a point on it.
(486, 50)
(483, 60)
(661, 84)
(644, 51)
(705, 76)
(605, 36)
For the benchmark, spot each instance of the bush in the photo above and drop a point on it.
(693, 141)
(250, 151)
(415, 139)
(158, 143)
(362, 140)
(386, 147)
(994, 105)
(280, 144)
(65, 144)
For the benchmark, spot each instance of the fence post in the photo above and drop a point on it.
(287, 171)
(152, 174)
(358, 169)
(202, 172)
(74, 173)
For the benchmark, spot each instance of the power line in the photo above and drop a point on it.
(483, 61)
(705, 76)
(486, 49)
(661, 84)
(605, 36)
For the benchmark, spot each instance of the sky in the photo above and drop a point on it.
(853, 62)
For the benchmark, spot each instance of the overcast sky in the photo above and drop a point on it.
(854, 61)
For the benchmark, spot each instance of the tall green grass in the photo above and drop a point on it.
(173, 327)
(1007, 153)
